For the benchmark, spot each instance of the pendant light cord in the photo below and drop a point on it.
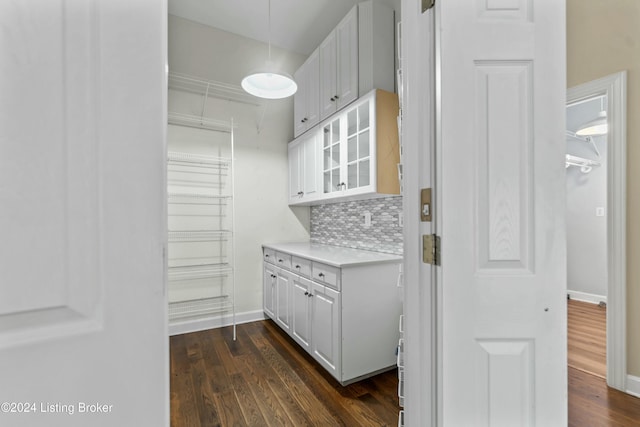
(269, 31)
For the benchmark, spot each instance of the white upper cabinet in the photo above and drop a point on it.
(356, 57)
(358, 153)
(304, 176)
(339, 65)
(307, 98)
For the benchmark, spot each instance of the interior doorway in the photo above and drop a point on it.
(596, 171)
(586, 211)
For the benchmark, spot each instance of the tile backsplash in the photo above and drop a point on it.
(343, 224)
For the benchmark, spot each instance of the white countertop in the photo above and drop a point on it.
(333, 255)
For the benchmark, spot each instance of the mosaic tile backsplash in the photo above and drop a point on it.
(342, 224)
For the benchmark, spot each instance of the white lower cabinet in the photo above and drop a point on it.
(301, 308)
(345, 317)
(325, 327)
(283, 295)
(269, 290)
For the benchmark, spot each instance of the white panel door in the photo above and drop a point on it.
(501, 213)
(83, 325)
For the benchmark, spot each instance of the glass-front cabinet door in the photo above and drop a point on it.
(356, 154)
(358, 147)
(331, 156)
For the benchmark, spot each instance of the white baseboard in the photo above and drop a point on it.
(585, 297)
(633, 385)
(194, 325)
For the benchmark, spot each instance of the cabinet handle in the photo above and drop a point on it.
(320, 274)
(273, 276)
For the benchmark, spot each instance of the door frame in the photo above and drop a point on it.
(418, 93)
(614, 87)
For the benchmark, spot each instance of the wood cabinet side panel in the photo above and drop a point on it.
(387, 143)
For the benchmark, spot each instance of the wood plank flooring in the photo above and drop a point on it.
(265, 379)
(591, 402)
(587, 337)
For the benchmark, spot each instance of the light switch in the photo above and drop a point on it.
(600, 211)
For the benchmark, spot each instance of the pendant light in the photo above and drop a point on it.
(268, 82)
(597, 126)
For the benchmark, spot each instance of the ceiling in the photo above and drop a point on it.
(296, 25)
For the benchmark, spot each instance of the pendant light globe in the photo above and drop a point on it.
(269, 83)
(598, 126)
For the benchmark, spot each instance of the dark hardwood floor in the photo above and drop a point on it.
(265, 379)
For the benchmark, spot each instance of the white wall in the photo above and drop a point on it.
(262, 213)
(586, 232)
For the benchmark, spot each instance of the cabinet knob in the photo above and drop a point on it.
(320, 274)
(306, 293)
(310, 295)
(279, 260)
(335, 97)
(266, 255)
(273, 276)
(298, 267)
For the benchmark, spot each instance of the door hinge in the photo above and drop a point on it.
(431, 249)
(427, 4)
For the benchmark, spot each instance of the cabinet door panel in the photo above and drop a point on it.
(328, 86)
(312, 93)
(325, 328)
(301, 327)
(310, 176)
(300, 100)
(295, 167)
(347, 59)
(282, 300)
(269, 279)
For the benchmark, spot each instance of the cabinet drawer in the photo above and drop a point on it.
(326, 274)
(301, 266)
(283, 260)
(269, 255)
